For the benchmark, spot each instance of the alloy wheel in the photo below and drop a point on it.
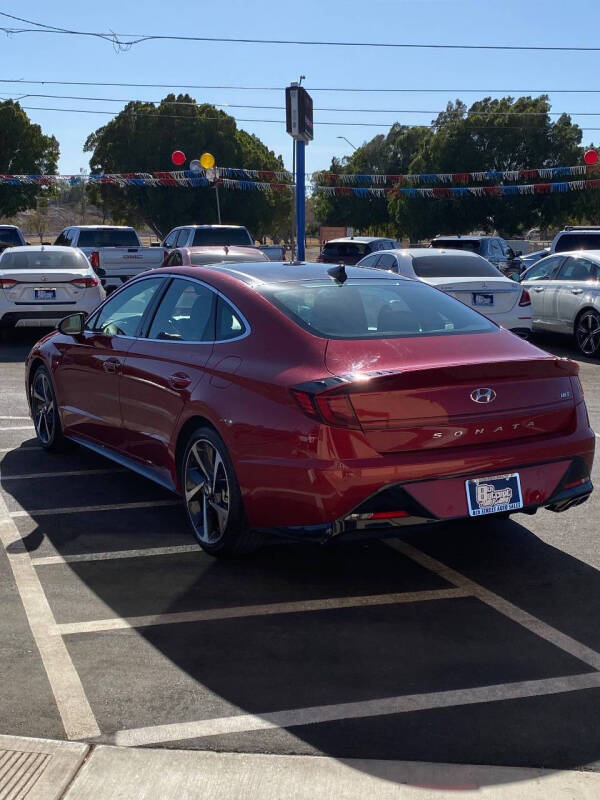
(206, 491)
(42, 405)
(588, 333)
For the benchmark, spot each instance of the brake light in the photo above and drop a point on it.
(7, 283)
(525, 299)
(165, 256)
(332, 409)
(95, 259)
(84, 283)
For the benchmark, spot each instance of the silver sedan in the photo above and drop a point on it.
(565, 296)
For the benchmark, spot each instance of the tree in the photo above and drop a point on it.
(141, 139)
(24, 150)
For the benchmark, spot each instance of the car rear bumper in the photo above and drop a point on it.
(296, 493)
(31, 317)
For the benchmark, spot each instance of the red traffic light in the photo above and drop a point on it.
(178, 157)
(590, 157)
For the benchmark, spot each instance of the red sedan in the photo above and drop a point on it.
(313, 401)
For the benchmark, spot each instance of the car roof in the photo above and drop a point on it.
(594, 255)
(12, 227)
(100, 227)
(459, 238)
(211, 226)
(282, 271)
(361, 239)
(36, 248)
(422, 252)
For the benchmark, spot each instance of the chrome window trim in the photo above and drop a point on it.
(246, 333)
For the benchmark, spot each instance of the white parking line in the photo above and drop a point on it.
(19, 448)
(18, 428)
(47, 512)
(73, 707)
(235, 612)
(20, 418)
(516, 614)
(402, 704)
(141, 553)
(56, 474)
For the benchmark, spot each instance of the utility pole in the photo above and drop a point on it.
(299, 124)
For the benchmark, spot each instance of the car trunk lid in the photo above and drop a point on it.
(488, 295)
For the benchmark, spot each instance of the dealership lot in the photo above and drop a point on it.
(470, 643)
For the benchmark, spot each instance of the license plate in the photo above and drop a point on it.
(494, 495)
(44, 294)
(483, 299)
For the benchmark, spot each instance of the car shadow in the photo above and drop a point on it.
(562, 345)
(264, 664)
(16, 343)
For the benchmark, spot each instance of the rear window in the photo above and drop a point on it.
(10, 236)
(108, 237)
(346, 250)
(578, 241)
(472, 245)
(372, 309)
(451, 266)
(43, 259)
(221, 236)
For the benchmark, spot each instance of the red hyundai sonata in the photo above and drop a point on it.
(313, 401)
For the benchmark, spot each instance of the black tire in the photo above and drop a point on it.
(44, 411)
(212, 497)
(587, 333)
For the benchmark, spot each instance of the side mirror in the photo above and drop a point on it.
(72, 325)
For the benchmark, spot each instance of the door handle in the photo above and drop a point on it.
(112, 365)
(179, 380)
(576, 291)
(538, 288)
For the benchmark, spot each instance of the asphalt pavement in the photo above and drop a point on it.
(472, 643)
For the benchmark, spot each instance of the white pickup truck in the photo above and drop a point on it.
(115, 251)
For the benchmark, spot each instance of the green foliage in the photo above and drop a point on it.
(24, 150)
(141, 139)
(499, 134)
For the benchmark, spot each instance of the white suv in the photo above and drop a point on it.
(40, 285)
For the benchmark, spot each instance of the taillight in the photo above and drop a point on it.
(84, 283)
(332, 409)
(95, 259)
(525, 299)
(165, 256)
(7, 283)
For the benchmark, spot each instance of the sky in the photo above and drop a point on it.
(49, 57)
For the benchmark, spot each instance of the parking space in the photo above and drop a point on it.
(470, 643)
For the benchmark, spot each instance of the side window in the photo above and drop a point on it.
(369, 261)
(229, 324)
(61, 239)
(503, 248)
(544, 270)
(69, 235)
(186, 314)
(170, 239)
(182, 238)
(122, 314)
(387, 261)
(576, 269)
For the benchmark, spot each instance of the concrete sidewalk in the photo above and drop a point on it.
(40, 769)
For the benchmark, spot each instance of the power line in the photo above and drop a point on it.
(317, 108)
(236, 87)
(341, 124)
(137, 38)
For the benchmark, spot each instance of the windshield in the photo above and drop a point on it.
(10, 236)
(108, 237)
(43, 259)
(454, 266)
(472, 245)
(374, 309)
(346, 250)
(222, 236)
(578, 241)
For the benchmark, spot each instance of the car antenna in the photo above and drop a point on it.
(338, 273)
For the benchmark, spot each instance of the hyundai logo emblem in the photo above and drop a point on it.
(483, 395)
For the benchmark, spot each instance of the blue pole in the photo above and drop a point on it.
(300, 198)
